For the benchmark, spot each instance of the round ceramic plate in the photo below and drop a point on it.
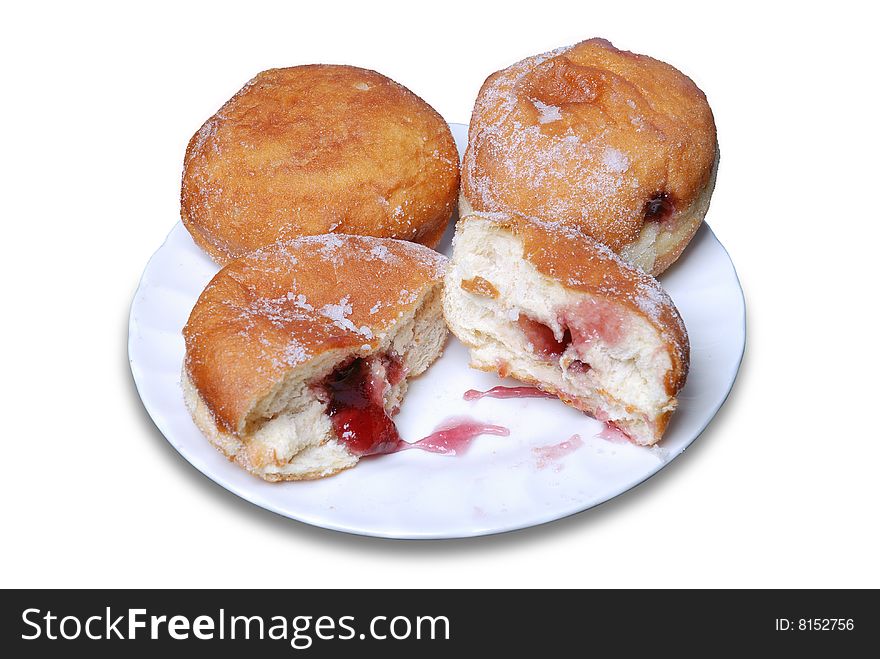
(502, 483)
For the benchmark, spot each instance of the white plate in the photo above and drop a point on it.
(501, 483)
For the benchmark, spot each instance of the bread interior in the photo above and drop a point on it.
(613, 365)
(288, 434)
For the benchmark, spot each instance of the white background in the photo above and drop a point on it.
(97, 106)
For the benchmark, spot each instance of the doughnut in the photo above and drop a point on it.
(298, 354)
(318, 149)
(619, 145)
(550, 306)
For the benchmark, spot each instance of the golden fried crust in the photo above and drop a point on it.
(587, 135)
(282, 306)
(318, 149)
(580, 263)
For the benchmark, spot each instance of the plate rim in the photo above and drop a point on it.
(157, 417)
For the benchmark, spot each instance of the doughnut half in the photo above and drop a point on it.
(297, 355)
(318, 149)
(619, 145)
(552, 307)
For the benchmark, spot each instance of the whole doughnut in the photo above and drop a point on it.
(620, 145)
(318, 149)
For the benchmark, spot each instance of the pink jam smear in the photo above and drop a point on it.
(610, 432)
(614, 434)
(507, 392)
(551, 455)
(594, 319)
(454, 436)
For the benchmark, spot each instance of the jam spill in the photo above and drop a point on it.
(547, 456)
(612, 433)
(454, 436)
(507, 392)
(356, 408)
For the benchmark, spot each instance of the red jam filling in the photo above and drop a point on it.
(394, 369)
(588, 321)
(579, 367)
(355, 403)
(659, 207)
(541, 337)
(356, 407)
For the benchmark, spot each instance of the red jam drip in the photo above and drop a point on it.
(357, 411)
(454, 436)
(551, 455)
(659, 207)
(507, 392)
(542, 338)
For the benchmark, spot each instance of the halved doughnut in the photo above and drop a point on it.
(552, 307)
(298, 355)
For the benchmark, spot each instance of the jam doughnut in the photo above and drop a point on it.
(318, 149)
(552, 307)
(619, 145)
(298, 355)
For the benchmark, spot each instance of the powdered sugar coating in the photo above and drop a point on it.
(288, 303)
(546, 113)
(339, 316)
(586, 135)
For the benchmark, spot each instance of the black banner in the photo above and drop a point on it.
(396, 623)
